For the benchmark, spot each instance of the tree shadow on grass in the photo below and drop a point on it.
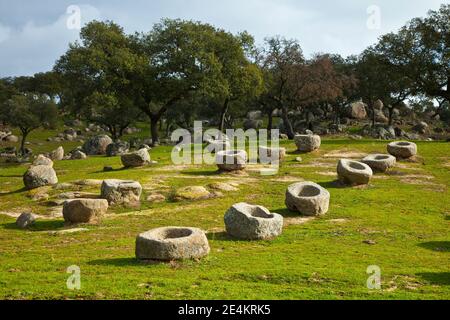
(110, 171)
(125, 262)
(23, 189)
(202, 173)
(436, 278)
(439, 246)
(43, 225)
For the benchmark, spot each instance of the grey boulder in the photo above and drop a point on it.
(308, 198)
(117, 149)
(84, 210)
(248, 222)
(39, 176)
(136, 159)
(42, 160)
(57, 154)
(172, 243)
(25, 220)
(307, 143)
(97, 145)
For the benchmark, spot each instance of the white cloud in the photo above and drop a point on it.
(35, 48)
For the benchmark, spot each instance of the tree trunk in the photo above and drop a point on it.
(22, 143)
(287, 124)
(391, 116)
(270, 122)
(223, 114)
(154, 129)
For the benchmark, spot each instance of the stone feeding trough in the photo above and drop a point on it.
(172, 243)
(308, 198)
(307, 143)
(353, 172)
(231, 160)
(84, 210)
(266, 153)
(380, 162)
(402, 149)
(121, 192)
(248, 222)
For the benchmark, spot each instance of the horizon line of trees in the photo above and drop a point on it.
(180, 70)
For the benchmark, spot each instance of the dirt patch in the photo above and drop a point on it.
(297, 221)
(316, 164)
(345, 154)
(327, 173)
(338, 221)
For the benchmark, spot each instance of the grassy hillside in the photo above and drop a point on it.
(400, 222)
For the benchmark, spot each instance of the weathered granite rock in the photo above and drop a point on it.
(354, 172)
(379, 162)
(248, 222)
(78, 155)
(307, 143)
(117, 149)
(42, 160)
(358, 111)
(265, 154)
(172, 243)
(97, 145)
(84, 210)
(57, 154)
(39, 176)
(231, 160)
(25, 220)
(402, 149)
(191, 193)
(222, 186)
(308, 198)
(121, 192)
(136, 159)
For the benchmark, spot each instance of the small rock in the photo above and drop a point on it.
(121, 192)
(136, 159)
(370, 242)
(78, 155)
(42, 160)
(108, 169)
(156, 198)
(25, 220)
(57, 154)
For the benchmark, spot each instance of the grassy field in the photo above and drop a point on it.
(404, 215)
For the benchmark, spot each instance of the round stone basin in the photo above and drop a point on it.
(257, 212)
(357, 166)
(172, 243)
(309, 191)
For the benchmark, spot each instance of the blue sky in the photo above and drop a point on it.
(33, 34)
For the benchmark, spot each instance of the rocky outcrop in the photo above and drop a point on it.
(248, 222)
(172, 243)
(308, 198)
(353, 172)
(84, 210)
(358, 111)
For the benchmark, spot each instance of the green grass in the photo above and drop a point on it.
(322, 259)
